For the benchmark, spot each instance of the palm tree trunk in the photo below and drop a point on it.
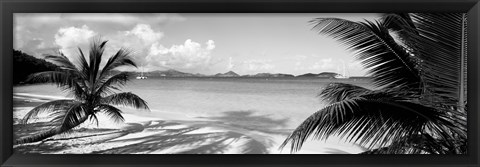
(46, 134)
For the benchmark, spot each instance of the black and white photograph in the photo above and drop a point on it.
(240, 83)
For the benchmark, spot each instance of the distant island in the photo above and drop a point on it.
(329, 75)
(227, 74)
(232, 74)
(25, 65)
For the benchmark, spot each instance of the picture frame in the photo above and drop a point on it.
(8, 7)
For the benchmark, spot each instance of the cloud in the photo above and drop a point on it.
(189, 56)
(210, 45)
(324, 64)
(139, 39)
(146, 33)
(69, 38)
(230, 64)
(145, 42)
(258, 65)
(28, 26)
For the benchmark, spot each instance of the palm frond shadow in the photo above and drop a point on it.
(240, 135)
(247, 120)
(187, 143)
(238, 123)
(21, 130)
(55, 144)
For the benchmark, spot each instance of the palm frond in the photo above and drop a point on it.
(336, 92)
(405, 31)
(84, 66)
(437, 43)
(440, 41)
(112, 112)
(63, 79)
(388, 62)
(62, 61)
(419, 144)
(73, 116)
(97, 47)
(121, 58)
(93, 118)
(52, 106)
(60, 78)
(66, 114)
(372, 120)
(112, 83)
(125, 99)
(399, 22)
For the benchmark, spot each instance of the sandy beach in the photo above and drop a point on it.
(172, 133)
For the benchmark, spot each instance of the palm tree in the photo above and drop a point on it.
(415, 107)
(94, 91)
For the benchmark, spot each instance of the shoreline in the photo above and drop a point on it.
(141, 134)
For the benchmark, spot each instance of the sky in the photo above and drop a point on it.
(246, 43)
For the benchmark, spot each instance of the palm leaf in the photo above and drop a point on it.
(112, 112)
(71, 117)
(441, 43)
(402, 27)
(97, 47)
(125, 99)
(52, 106)
(66, 114)
(93, 118)
(399, 22)
(437, 42)
(336, 92)
(121, 58)
(62, 61)
(372, 120)
(63, 79)
(84, 67)
(112, 83)
(418, 144)
(389, 63)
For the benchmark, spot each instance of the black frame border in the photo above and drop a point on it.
(8, 7)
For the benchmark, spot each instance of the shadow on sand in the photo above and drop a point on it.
(238, 132)
(248, 121)
(183, 141)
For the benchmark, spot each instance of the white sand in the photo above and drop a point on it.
(166, 135)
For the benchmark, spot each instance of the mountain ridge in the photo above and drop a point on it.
(176, 73)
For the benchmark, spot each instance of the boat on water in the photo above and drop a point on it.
(141, 76)
(339, 76)
(344, 74)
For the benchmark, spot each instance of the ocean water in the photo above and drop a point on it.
(283, 101)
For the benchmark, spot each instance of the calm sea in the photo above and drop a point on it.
(287, 101)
